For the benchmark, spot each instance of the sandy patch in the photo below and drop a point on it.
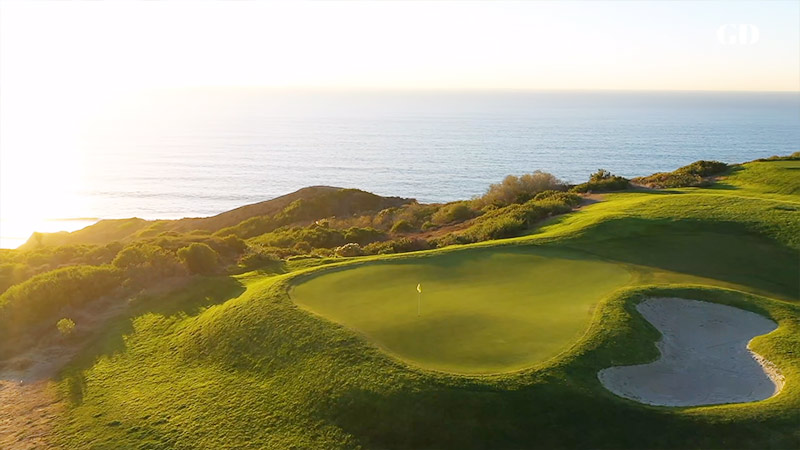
(705, 358)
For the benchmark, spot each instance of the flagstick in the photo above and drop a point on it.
(419, 302)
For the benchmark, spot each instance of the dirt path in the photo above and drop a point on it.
(705, 359)
(29, 402)
(27, 412)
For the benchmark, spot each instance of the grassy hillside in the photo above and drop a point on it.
(313, 203)
(233, 362)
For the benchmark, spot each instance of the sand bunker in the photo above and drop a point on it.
(704, 357)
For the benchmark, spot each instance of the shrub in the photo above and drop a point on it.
(687, 176)
(512, 220)
(302, 247)
(403, 226)
(42, 297)
(568, 198)
(793, 157)
(603, 181)
(199, 258)
(453, 239)
(497, 228)
(363, 236)
(349, 250)
(230, 244)
(258, 257)
(520, 189)
(666, 180)
(453, 212)
(11, 274)
(314, 236)
(142, 263)
(254, 226)
(65, 326)
(704, 168)
(401, 245)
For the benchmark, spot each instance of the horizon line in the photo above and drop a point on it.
(453, 89)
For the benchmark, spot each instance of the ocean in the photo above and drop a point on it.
(199, 152)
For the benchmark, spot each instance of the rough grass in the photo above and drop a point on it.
(234, 363)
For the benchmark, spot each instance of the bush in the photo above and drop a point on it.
(11, 274)
(704, 168)
(363, 236)
(42, 297)
(453, 239)
(403, 226)
(603, 181)
(65, 326)
(142, 263)
(512, 220)
(229, 245)
(452, 213)
(497, 228)
(349, 250)
(568, 198)
(667, 180)
(401, 245)
(199, 258)
(793, 157)
(520, 189)
(259, 257)
(691, 175)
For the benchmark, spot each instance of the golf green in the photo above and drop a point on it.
(480, 310)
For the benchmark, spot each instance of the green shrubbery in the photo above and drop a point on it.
(349, 250)
(17, 266)
(453, 213)
(568, 198)
(520, 189)
(403, 226)
(401, 245)
(793, 157)
(199, 258)
(603, 181)
(259, 257)
(142, 263)
(42, 297)
(687, 176)
(315, 236)
(514, 219)
(65, 327)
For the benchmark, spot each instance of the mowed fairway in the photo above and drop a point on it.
(482, 310)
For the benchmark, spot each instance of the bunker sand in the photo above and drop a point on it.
(704, 360)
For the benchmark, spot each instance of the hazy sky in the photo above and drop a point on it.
(100, 47)
(63, 64)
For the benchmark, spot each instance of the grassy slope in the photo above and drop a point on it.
(254, 370)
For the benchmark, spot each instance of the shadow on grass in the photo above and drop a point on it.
(109, 340)
(724, 251)
(552, 415)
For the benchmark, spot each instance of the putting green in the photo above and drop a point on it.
(482, 310)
